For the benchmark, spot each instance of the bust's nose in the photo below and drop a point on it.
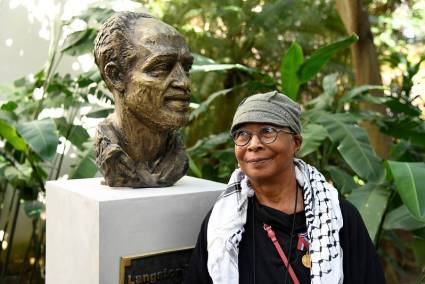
(180, 78)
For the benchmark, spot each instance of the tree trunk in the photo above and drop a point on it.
(365, 65)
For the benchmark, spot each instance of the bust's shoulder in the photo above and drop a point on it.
(106, 131)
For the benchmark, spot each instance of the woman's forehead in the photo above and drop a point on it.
(258, 125)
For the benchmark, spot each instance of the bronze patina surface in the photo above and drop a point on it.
(145, 63)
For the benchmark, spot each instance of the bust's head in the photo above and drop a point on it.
(145, 63)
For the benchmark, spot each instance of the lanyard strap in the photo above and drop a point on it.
(282, 255)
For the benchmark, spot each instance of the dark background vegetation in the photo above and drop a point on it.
(363, 125)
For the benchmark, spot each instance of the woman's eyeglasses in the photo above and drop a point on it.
(267, 135)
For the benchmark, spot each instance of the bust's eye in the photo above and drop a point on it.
(187, 67)
(161, 68)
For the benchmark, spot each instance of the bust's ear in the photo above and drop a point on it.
(114, 77)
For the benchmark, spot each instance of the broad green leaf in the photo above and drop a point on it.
(89, 77)
(371, 201)
(194, 168)
(203, 107)
(8, 132)
(202, 60)
(408, 129)
(41, 136)
(398, 107)
(289, 67)
(74, 133)
(313, 136)
(33, 208)
(325, 100)
(400, 218)
(20, 82)
(96, 13)
(353, 145)
(343, 181)
(80, 42)
(221, 67)
(100, 113)
(9, 106)
(208, 143)
(356, 92)
(86, 167)
(8, 117)
(408, 178)
(18, 173)
(418, 248)
(321, 56)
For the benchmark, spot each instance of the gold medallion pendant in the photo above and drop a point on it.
(306, 260)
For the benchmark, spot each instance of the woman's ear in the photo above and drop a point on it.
(298, 140)
(114, 77)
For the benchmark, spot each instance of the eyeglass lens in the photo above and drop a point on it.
(266, 135)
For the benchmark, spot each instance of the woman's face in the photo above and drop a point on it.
(261, 161)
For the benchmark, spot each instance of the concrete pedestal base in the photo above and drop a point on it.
(90, 226)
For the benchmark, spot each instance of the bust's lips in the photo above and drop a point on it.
(178, 102)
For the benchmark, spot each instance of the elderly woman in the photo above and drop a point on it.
(279, 221)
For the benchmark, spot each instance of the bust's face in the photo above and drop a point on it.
(157, 89)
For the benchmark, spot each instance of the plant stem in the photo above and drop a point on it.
(12, 234)
(68, 134)
(37, 177)
(31, 241)
(6, 225)
(51, 66)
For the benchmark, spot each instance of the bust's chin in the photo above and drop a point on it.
(170, 121)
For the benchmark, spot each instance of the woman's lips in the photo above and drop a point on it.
(258, 161)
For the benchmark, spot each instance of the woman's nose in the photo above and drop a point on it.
(255, 143)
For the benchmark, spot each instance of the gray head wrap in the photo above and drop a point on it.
(272, 107)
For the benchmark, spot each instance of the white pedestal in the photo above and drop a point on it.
(90, 226)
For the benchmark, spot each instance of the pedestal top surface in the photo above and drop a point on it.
(93, 189)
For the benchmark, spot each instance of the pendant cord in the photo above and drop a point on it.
(292, 232)
(253, 235)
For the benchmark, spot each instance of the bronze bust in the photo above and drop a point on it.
(145, 63)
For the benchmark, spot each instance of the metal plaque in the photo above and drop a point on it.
(165, 267)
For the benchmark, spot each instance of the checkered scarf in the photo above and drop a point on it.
(323, 220)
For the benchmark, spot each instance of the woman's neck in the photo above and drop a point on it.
(279, 193)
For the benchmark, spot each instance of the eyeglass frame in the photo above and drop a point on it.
(252, 133)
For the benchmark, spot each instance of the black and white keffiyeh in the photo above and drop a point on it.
(323, 220)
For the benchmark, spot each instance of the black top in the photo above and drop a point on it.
(260, 263)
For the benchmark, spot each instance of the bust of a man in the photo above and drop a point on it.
(145, 63)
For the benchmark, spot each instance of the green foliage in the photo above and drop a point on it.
(296, 71)
(313, 136)
(41, 136)
(408, 180)
(371, 200)
(238, 48)
(400, 218)
(80, 42)
(8, 132)
(353, 144)
(29, 153)
(86, 167)
(291, 63)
